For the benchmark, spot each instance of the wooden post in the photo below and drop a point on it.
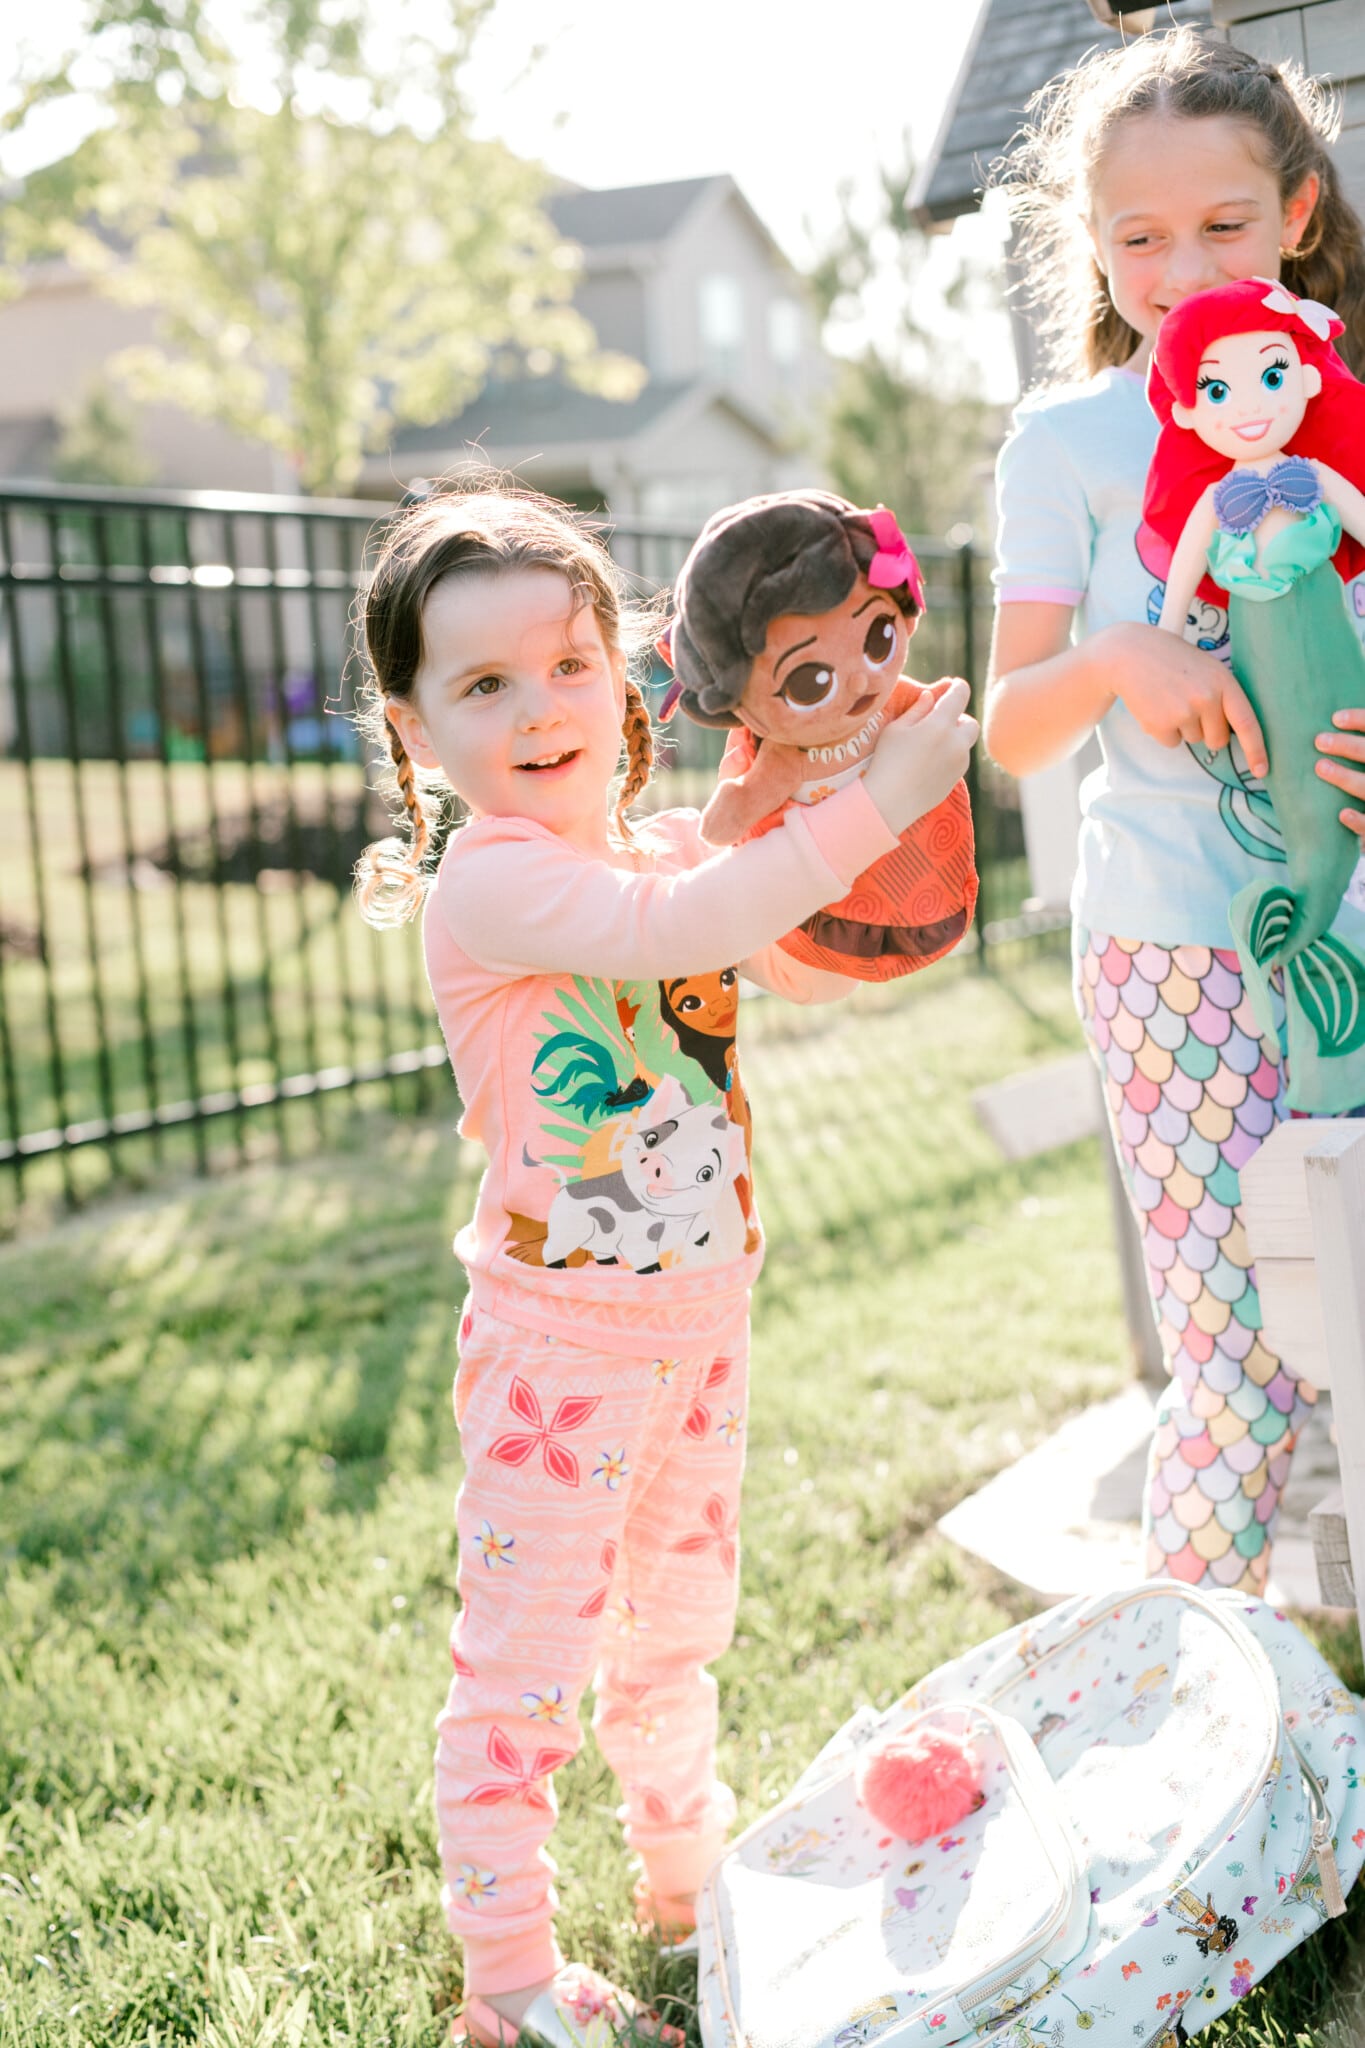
(1335, 1172)
(1304, 1197)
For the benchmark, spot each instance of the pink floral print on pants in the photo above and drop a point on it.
(598, 1543)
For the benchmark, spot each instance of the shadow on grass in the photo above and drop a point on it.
(188, 1377)
(194, 1374)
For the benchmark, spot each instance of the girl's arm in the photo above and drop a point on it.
(536, 906)
(1044, 696)
(794, 980)
(1187, 565)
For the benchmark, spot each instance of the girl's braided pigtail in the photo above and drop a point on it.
(639, 740)
(389, 882)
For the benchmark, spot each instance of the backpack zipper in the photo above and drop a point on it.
(1320, 1850)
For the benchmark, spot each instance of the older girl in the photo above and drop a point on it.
(1150, 174)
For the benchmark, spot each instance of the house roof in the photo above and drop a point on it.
(1017, 46)
(544, 409)
(565, 424)
(626, 213)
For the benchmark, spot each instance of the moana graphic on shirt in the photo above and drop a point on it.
(647, 1126)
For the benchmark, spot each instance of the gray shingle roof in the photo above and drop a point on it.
(625, 213)
(545, 410)
(1018, 46)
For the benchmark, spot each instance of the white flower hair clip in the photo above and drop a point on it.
(1321, 319)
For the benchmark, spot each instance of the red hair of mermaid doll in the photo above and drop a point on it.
(1333, 429)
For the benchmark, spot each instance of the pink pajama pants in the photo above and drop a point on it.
(598, 1543)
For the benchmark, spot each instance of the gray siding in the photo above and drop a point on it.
(1328, 38)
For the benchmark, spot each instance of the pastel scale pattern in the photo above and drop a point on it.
(1193, 1090)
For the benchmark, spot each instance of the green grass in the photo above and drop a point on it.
(226, 1471)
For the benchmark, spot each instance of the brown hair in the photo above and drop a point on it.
(1292, 119)
(474, 532)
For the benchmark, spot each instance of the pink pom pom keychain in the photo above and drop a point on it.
(920, 1783)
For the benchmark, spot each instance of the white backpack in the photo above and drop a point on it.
(1172, 1803)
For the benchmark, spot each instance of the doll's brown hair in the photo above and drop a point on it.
(1291, 121)
(453, 532)
(791, 551)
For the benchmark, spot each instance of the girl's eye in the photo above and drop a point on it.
(570, 666)
(486, 686)
(727, 977)
(810, 686)
(690, 1003)
(880, 644)
(1215, 390)
(1272, 376)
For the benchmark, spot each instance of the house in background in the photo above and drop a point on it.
(683, 277)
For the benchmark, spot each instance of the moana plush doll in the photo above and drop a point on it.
(792, 615)
(1255, 490)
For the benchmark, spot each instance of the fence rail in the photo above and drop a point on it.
(182, 799)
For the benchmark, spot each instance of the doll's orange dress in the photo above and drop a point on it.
(911, 906)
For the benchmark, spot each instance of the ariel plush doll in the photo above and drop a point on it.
(1252, 491)
(792, 615)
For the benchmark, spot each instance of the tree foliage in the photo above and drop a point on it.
(327, 254)
(904, 424)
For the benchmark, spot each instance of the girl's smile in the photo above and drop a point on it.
(518, 701)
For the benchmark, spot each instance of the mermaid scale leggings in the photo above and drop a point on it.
(1192, 1092)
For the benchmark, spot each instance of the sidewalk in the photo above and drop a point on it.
(1065, 1518)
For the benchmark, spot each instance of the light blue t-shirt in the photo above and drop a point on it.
(1168, 834)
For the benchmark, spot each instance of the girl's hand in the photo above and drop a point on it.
(921, 755)
(1348, 741)
(1178, 693)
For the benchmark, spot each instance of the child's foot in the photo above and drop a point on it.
(574, 2009)
(672, 1920)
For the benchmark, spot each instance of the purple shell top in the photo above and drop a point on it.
(1242, 499)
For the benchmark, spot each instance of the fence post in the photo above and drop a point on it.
(966, 590)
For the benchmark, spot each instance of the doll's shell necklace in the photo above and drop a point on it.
(850, 749)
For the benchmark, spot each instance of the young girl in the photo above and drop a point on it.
(583, 972)
(1152, 173)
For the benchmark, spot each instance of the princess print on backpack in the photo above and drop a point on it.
(1169, 1806)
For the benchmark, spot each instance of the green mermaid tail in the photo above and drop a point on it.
(1299, 660)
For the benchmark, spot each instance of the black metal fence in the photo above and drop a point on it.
(182, 799)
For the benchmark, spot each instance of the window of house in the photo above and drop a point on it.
(784, 332)
(721, 314)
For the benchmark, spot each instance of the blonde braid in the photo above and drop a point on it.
(639, 739)
(389, 881)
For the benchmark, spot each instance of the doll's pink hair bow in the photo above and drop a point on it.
(894, 562)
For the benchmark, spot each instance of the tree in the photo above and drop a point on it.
(904, 424)
(327, 257)
(98, 443)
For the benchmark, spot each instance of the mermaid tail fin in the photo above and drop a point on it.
(1323, 994)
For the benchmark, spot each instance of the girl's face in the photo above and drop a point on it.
(822, 675)
(1179, 205)
(1250, 395)
(518, 701)
(708, 1002)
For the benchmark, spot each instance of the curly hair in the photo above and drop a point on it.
(1291, 120)
(471, 531)
(792, 551)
